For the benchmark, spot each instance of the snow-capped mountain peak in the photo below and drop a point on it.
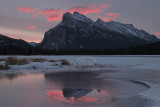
(76, 31)
(82, 17)
(76, 16)
(99, 21)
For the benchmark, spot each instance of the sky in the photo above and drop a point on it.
(30, 19)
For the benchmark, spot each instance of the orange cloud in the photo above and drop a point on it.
(110, 17)
(157, 33)
(31, 27)
(27, 9)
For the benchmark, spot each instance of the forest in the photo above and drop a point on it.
(26, 49)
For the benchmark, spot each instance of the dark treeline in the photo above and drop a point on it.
(150, 49)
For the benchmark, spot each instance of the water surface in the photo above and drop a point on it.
(64, 89)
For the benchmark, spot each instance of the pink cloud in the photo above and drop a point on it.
(56, 14)
(158, 12)
(110, 17)
(104, 5)
(107, 19)
(157, 33)
(51, 14)
(83, 9)
(31, 27)
(113, 14)
(27, 9)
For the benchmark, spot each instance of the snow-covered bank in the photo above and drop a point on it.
(148, 98)
(153, 94)
(110, 62)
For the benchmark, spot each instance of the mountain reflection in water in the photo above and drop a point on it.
(65, 89)
(80, 96)
(76, 93)
(77, 88)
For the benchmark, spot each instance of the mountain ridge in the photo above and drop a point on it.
(11, 46)
(14, 46)
(77, 34)
(76, 31)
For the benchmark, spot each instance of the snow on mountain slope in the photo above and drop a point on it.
(76, 31)
(33, 44)
(76, 16)
(127, 29)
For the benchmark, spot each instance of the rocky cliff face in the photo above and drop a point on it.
(76, 31)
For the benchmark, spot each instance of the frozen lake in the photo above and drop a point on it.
(64, 89)
(125, 81)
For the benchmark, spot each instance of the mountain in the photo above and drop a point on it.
(13, 46)
(10, 46)
(127, 29)
(33, 44)
(77, 32)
